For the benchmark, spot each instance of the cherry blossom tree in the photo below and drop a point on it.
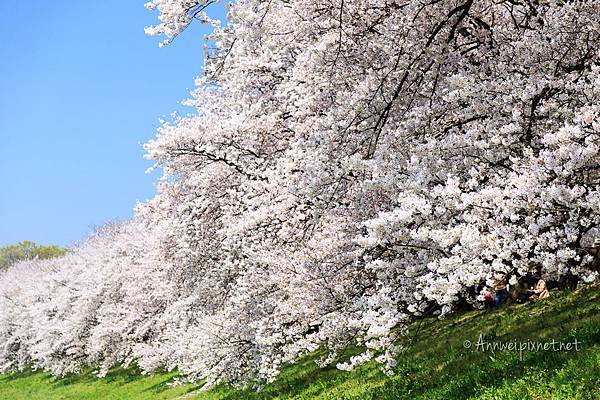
(384, 157)
(350, 166)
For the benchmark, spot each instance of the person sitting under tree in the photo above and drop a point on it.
(540, 291)
(501, 289)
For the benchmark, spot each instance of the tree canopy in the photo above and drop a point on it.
(350, 166)
(27, 250)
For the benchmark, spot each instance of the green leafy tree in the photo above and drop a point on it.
(27, 250)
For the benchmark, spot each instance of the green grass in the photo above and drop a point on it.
(119, 384)
(434, 366)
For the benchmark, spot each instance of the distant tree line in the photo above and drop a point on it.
(27, 250)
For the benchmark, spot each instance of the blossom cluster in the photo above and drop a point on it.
(351, 166)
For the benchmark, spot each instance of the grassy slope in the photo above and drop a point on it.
(436, 366)
(119, 384)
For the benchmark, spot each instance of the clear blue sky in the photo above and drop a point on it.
(81, 89)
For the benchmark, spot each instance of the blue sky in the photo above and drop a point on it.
(81, 89)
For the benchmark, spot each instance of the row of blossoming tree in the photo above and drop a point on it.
(351, 165)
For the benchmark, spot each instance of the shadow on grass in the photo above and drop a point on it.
(18, 375)
(116, 376)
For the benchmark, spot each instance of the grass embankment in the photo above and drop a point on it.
(436, 366)
(119, 384)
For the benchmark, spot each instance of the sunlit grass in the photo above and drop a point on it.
(125, 384)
